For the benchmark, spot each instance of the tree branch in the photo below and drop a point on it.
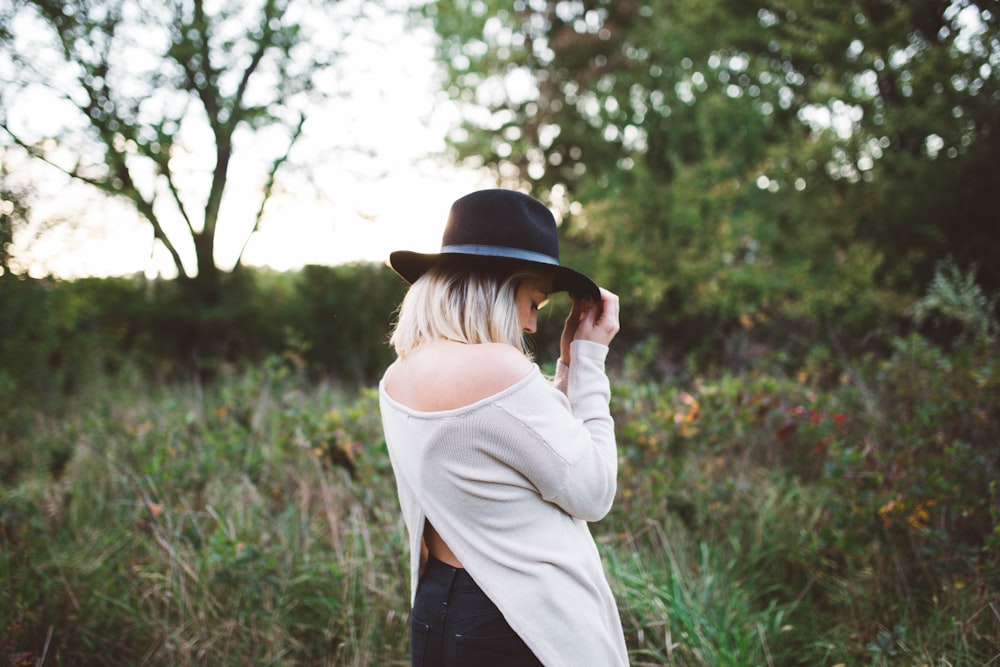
(161, 159)
(269, 184)
(143, 206)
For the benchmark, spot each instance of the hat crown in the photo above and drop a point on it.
(502, 219)
(490, 226)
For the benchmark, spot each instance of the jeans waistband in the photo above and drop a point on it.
(454, 577)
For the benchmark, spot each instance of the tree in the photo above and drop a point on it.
(728, 159)
(135, 87)
(14, 213)
(915, 90)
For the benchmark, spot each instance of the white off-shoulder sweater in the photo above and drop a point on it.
(510, 482)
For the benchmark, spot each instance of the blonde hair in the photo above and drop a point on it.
(468, 305)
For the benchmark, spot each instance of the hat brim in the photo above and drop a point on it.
(411, 265)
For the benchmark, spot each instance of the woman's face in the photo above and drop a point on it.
(530, 296)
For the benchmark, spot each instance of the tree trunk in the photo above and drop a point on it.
(206, 284)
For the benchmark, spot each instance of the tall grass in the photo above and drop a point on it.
(204, 526)
(760, 521)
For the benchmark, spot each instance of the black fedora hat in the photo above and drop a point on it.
(501, 224)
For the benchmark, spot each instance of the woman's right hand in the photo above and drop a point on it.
(588, 320)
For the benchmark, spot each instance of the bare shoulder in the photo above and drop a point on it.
(444, 375)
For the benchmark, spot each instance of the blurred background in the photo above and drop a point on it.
(797, 201)
(180, 182)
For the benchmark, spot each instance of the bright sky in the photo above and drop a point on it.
(365, 208)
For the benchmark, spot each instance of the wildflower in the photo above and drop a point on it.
(887, 510)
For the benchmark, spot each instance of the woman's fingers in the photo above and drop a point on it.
(600, 322)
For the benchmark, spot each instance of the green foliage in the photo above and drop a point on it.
(53, 333)
(202, 525)
(833, 515)
(930, 462)
(346, 313)
(956, 297)
(815, 492)
(56, 336)
(793, 509)
(690, 613)
(793, 167)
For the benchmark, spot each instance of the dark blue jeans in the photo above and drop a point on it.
(454, 624)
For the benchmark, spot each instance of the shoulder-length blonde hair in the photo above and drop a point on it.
(468, 305)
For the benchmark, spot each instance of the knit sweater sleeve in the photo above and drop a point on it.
(589, 394)
(579, 472)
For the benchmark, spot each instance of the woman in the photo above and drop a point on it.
(498, 470)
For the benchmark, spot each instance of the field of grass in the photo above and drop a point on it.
(832, 516)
